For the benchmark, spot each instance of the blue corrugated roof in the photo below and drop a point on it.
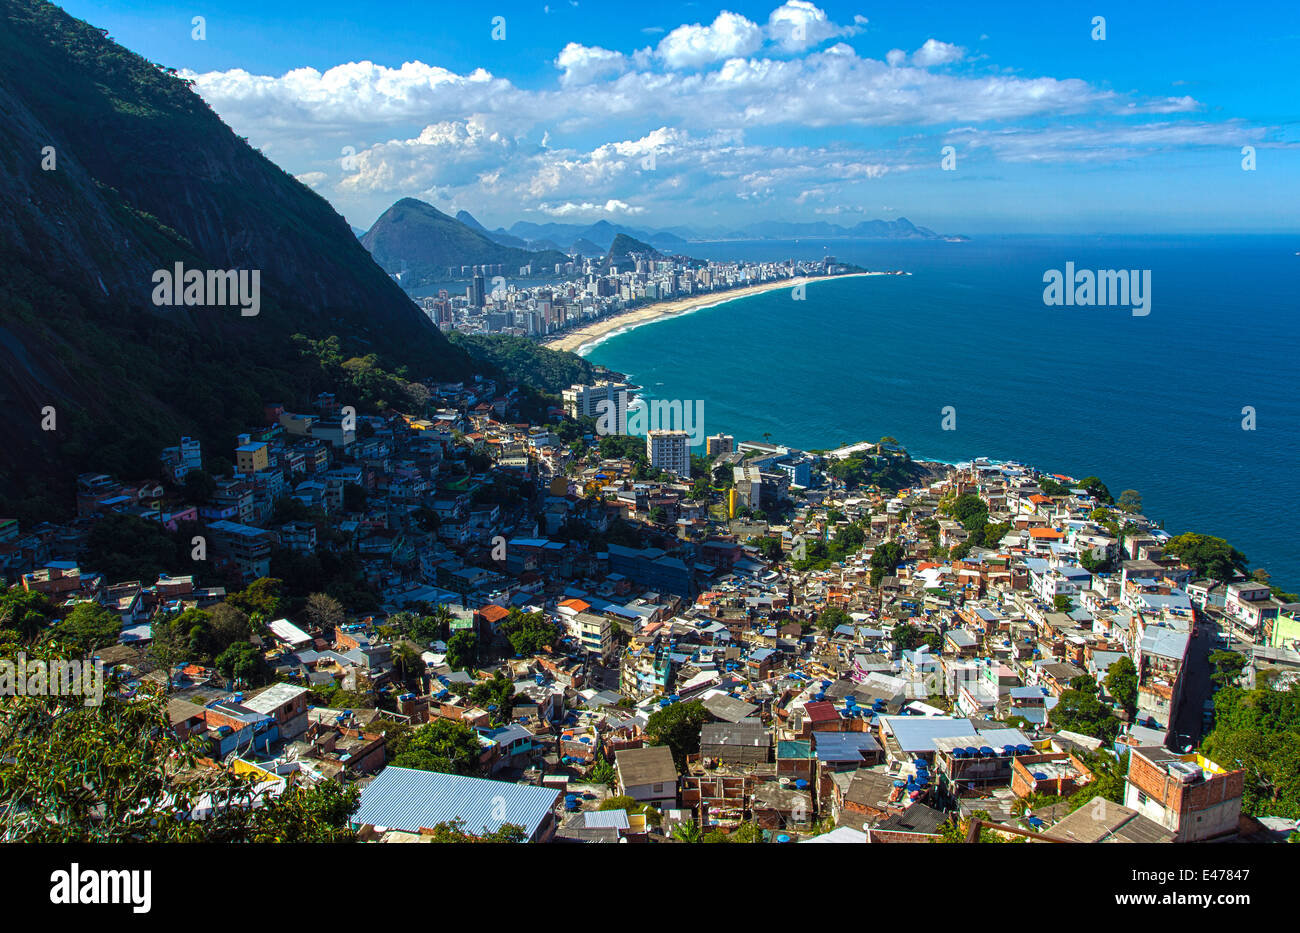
(410, 799)
(843, 746)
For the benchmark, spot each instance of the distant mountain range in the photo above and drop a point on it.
(677, 239)
(419, 243)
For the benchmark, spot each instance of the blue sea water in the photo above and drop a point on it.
(1149, 403)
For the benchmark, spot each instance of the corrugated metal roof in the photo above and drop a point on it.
(411, 800)
(607, 819)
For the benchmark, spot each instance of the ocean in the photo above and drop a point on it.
(1153, 403)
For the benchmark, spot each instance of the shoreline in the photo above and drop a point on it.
(583, 339)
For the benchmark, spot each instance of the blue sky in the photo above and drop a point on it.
(710, 116)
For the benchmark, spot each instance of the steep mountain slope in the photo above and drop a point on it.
(625, 250)
(420, 241)
(111, 169)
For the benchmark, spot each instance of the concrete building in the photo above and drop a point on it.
(585, 402)
(669, 450)
(1189, 795)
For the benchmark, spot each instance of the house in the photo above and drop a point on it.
(647, 775)
(415, 801)
(1189, 795)
(744, 743)
(1105, 821)
(286, 704)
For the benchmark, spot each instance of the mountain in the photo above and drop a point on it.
(584, 247)
(468, 220)
(902, 228)
(421, 242)
(677, 240)
(625, 250)
(114, 170)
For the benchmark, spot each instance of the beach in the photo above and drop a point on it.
(588, 335)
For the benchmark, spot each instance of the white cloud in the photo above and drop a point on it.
(934, 52)
(579, 146)
(730, 36)
(583, 64)
(569, 209)
(797, 25)
(1065, 144)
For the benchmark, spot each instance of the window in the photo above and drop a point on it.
(1142, 798)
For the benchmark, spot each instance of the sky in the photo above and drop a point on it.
(705, 116)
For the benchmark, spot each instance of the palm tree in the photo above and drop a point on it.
(406, 659)
(687, 832)
(443, 616)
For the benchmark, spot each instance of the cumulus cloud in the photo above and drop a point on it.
(798, 25)
(934, 52)
(692, 101)
(570, 209)
(583, 64)
(730, 35)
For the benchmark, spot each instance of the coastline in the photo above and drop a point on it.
(584, 338)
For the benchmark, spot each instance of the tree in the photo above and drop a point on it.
(831, 618)
(906, 636)
(117, 773)
(1226, 667)
(1062, 603)
(454, 831)
(1258, 731)
(1130, 500)
(496, 695)
(884, 560)
(1207, 556)
(324, 611)
(446, 745)
(678, 726)
(243, 663)
(89, 627)
(1122, 683)
(199, 486)
(406, 659)
(26, 612)
(462, 651)
(1080, 711)
(659, 515)
(769, 548)
(1108, 779)
(260, 598)
(529, 633)
(1097, 488)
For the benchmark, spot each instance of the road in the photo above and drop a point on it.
(1196, 686)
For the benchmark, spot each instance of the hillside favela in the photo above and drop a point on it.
(545, 426)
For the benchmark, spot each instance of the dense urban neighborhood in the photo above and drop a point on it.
(482, 620)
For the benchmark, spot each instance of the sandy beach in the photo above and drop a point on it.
(588, 335)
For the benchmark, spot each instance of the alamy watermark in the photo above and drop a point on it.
(48, 677)
(240, 288)
(639, 417)
(1105, 287)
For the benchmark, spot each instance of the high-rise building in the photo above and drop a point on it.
(476, 293)
(585, 402)
(717, 444)
(669, 450)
